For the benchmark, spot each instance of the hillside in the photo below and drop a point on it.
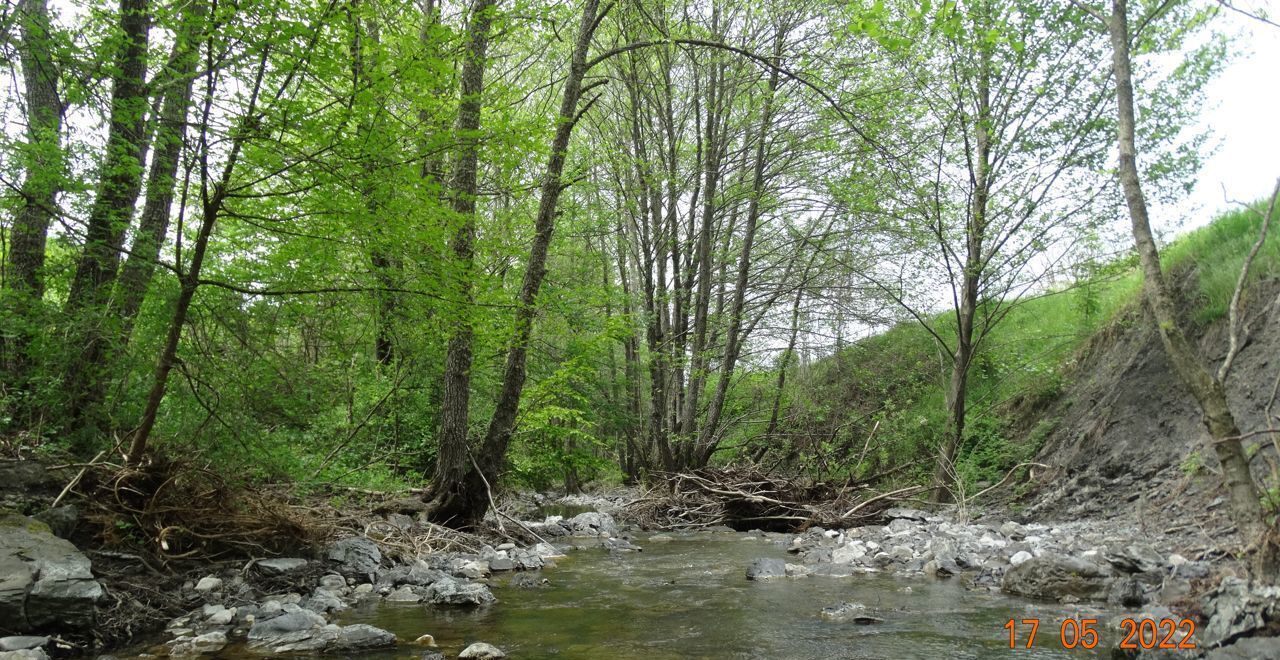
(1075, 379)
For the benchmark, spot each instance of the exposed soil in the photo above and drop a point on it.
(1128, 445)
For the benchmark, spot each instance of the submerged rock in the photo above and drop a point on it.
(764, 569)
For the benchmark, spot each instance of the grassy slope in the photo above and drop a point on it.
(1028, 358)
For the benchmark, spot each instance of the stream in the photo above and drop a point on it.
(689, 598)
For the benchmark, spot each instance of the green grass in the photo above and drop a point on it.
(1218, 251)
(1028, 359)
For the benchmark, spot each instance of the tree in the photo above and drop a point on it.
(1002, 118)
(42, 162)
(1160, 300)
(452, 495)
(120, 181)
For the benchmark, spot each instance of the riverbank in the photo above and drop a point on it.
(389, 558)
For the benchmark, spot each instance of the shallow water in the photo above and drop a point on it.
(688, 598)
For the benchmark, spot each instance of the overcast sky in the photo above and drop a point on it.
(1244, 117)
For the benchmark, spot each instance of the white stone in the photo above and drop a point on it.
(1020, 557)
(209, 583)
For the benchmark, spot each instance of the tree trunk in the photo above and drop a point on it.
(733, 341)
(1243, 498)
(945, 479)
(211, 207)
(41, 183)
(493, 453)
(121, 180)
(451, 499)
(135, 276)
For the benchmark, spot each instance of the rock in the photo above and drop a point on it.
(527, 581)
(472, 570)
(419, 574)
(501, 564)
(221, 617)
(209, 583)
(26, 477)
(1013, 530)
(1133, 558)
(432, 655)
(26, 654)
(323, 600)
(798, 570)
(1019, 558)
(361, 636)
(1127, 592)
(592, 523)
(279, 566)
(1237, 609)
(288, 622)
(333, 582)
(45, 582)
(448, 591)
(425, 640)
(548, 551)
(481, 651)
(621, 545)
(328, 638)
(22, 642)
(405, 594)
(901, 526)
(850, 612)
(210, 642)
(899, 513)
(528, 560)
(764, 569)
(847, 554)
(62, 521)
(355, 556)
(1250, 648)
(1054, 577)
(661, 538)
(506, 546)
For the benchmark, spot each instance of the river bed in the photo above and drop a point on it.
(689, 598)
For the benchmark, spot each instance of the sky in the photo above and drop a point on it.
(1243, 115)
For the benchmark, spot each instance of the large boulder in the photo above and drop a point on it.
(45, 583)
(355, 556)
(1057, 577)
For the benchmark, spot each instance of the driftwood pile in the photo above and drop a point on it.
(745, 498)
